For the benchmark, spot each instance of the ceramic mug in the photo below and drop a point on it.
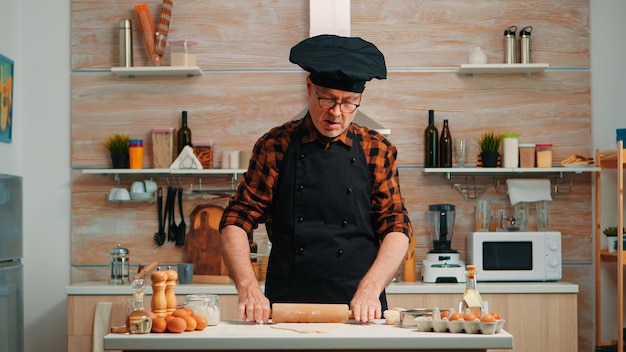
(185, 273)
(122, 194)
(113, 193)
(138, 187)
(150, 186)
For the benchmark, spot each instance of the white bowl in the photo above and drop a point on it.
(140, 196)
(151, 186)
(122, 194)
(138, 187)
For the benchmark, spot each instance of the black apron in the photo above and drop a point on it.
(323, 241)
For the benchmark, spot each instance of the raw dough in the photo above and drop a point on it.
(309, 328)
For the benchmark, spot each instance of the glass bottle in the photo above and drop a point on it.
(431, 135)
(445, 146)
(471, 299)
(138, 320)
(184, 134)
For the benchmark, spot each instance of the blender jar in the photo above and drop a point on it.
(441, 226)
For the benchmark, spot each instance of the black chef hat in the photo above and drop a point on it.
(343, 63)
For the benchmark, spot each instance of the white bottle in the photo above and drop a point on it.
(510, 145)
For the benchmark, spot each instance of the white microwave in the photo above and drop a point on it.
(515, 256)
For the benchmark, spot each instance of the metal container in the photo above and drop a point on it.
(126, 43)
(119, 262)
(510, 45)
(524, 41)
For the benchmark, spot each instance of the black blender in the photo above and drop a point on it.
(442, 263)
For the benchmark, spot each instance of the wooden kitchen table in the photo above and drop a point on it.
(242, 336)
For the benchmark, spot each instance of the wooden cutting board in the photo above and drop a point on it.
(203, 241)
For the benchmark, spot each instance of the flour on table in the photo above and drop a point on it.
(309, 328)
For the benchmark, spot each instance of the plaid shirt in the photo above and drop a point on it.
(252, 202)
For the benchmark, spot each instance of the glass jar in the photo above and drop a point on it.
(205, 305)
(162, 147)
(527, 155)
(544, 154)
(204, 153)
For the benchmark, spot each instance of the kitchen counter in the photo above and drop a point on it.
(235, 335)
(102, 288)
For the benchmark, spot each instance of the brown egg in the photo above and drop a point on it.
(190, 311)
(456, 316)
(180, 313)
(470, 317)
(176, 325)
(202, 322)
(496, 315)
(191, 323)
(159, 325)
(488, 318)
(444, 314)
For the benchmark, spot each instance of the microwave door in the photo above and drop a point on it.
(508, 256)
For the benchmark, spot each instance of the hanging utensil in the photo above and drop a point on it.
(172, 229)
(159, 237)
(182, 227)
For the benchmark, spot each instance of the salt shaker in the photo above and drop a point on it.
(510, 47)
(524, 40)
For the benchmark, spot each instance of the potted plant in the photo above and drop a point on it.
(611, 238)
(489, 143)
(118, 148)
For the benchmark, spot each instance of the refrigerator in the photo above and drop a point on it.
(11, 267)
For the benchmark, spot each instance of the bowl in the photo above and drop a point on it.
(140, 196)
(408, 316)
(138, 187)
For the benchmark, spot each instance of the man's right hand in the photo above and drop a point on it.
(253, 305)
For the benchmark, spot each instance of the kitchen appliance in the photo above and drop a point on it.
(442, 263)
(11, 267)
(516, 256)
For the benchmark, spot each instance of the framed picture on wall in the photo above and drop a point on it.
(6, 98)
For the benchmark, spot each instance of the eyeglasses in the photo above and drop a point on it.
(328, 104)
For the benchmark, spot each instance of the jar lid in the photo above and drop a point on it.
(510, 135)
(119, 250)
(543, 144)
(163, 129)
(527, 145)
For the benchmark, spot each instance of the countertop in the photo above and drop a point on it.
(235, 335)
(102, 288)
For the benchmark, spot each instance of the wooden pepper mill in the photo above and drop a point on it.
(159, 301)
(170, 290)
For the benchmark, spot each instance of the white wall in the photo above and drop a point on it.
(36, 35)
(608, 109)
(39, 41)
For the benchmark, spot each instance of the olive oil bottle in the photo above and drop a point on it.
(471, 298)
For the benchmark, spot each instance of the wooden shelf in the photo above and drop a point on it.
(165, 171)
(132, 72)
(606, 256)
(479, 69)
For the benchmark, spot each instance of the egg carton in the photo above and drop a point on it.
(427, 324)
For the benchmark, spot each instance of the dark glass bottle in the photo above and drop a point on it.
(431, 138)
(445, 146)
(184, 134)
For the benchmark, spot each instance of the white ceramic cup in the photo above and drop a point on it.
(138, 187)
(122, 194)
(113, 193)
(151, 186)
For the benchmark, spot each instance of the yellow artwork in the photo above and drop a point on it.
(6, 98)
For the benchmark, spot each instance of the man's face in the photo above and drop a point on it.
(326, 105)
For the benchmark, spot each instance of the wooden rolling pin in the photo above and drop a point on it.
(310, 313)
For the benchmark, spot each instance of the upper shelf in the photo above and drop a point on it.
(526, 69)
(165, 171)
(132, 72)
(448, 171)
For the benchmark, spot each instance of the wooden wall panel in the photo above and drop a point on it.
(249, 86)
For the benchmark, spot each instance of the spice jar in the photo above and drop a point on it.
(205, 305)
(118, 260)
(527, 155)
(544, 154)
